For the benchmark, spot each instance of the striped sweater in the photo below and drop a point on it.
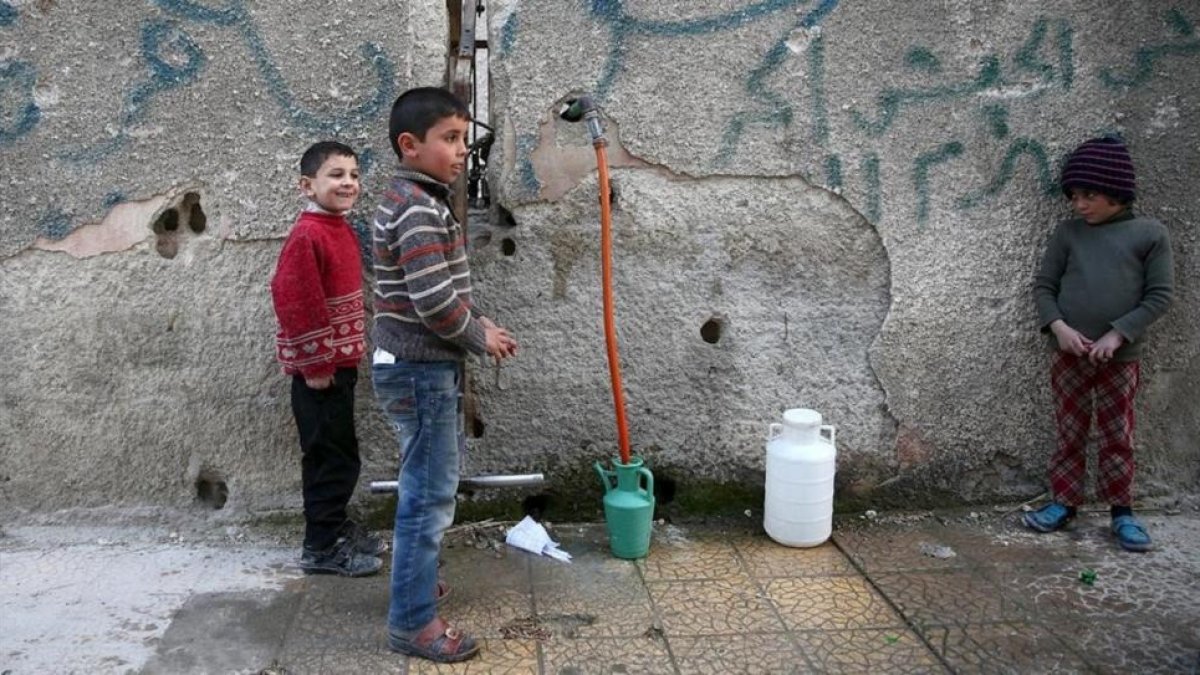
(318, 297)
(423, 309)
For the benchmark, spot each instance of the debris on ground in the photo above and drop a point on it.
(529, 535)
(525, 628)
(940, 551)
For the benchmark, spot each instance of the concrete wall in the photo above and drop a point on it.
(136, 363)
(860, 193)
(853, 196)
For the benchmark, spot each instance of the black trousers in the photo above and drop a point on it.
(330, 465)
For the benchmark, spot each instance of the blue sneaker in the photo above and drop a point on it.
(1051, 517)
(1131, 534)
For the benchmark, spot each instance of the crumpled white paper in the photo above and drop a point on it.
(529, 535)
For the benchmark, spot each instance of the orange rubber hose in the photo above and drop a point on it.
(610, 324)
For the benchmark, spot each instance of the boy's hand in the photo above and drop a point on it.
(1070, 340)
(500, 343)
(319, 382)
(1102, 350)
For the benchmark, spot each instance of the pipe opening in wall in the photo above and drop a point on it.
(508, 246)
(211, 490)
(711, 331)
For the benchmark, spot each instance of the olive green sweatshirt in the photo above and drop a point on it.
(1115, 275)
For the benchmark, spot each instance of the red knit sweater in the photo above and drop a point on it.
(318, 298)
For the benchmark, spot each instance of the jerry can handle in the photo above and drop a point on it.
(773, 430)
(645, 473)
(606, 477)
(832, 433)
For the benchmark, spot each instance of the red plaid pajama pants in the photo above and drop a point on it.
(1108, 388)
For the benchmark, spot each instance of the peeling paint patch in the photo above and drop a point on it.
(123, 228)
(558, 168)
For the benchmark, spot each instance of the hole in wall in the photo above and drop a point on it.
(612, 195)
(211, 489)
(508, 246)
(664, 489)
(168, 221)
(711, 331)
(196, 219)
(477, 427)
(535, 506)
(505, 217)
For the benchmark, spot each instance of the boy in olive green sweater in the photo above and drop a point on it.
(1105, 277)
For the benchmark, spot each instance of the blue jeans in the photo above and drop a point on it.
(422, 399)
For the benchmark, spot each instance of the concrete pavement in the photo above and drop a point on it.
(962, 591)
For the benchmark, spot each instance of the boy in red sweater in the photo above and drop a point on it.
(318, 298)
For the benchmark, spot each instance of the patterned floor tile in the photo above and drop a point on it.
(886, 548)
(484, 613)
(765, 559)
(949, 597)
(715, 607)
(640, 656)
(496, 657)
(677, 560)
(895, 650)
(341, 613)
(1009, 647)
(830, 603)
(746, 654)
(1142, 646)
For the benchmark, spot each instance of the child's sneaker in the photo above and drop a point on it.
(1131, 534)
(1051, 517)
(340, 559)
(365, 543)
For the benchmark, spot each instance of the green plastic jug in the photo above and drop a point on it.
(628, 507)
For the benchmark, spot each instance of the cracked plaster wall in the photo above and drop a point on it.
(137, 359)
(856, 192)
(862, 191)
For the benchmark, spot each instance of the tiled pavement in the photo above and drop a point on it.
(708, 599)
(728, 600)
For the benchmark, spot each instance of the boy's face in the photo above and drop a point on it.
(1094, 207)
(335, 187)
(443, 153)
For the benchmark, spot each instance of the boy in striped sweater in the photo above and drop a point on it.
(318, 299)
(425, 326)
(1105, 277)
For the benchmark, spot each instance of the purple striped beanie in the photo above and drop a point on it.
(1102, 165)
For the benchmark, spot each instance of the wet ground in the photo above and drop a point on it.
(963, 592)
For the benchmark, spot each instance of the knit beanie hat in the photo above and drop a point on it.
(1102, 165)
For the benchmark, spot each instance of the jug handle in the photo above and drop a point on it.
(605, 477)
(645, 473)
(832, 433)
(773, 430)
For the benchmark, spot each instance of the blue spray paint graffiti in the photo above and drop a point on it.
(921, 168)
(174, 60)
(235, 15)
(8, 14)
(17, 79)
(54, 225)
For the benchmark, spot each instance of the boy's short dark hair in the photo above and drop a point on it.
(316, 154)
(416, 110)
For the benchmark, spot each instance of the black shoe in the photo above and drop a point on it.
(340, 559)
(365, 543)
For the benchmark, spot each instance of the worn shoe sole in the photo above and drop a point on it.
(1033, 524)
(437, 657)
(324, 568)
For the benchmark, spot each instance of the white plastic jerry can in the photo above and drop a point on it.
(801, 463)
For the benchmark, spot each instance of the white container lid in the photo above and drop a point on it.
(802, 418)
